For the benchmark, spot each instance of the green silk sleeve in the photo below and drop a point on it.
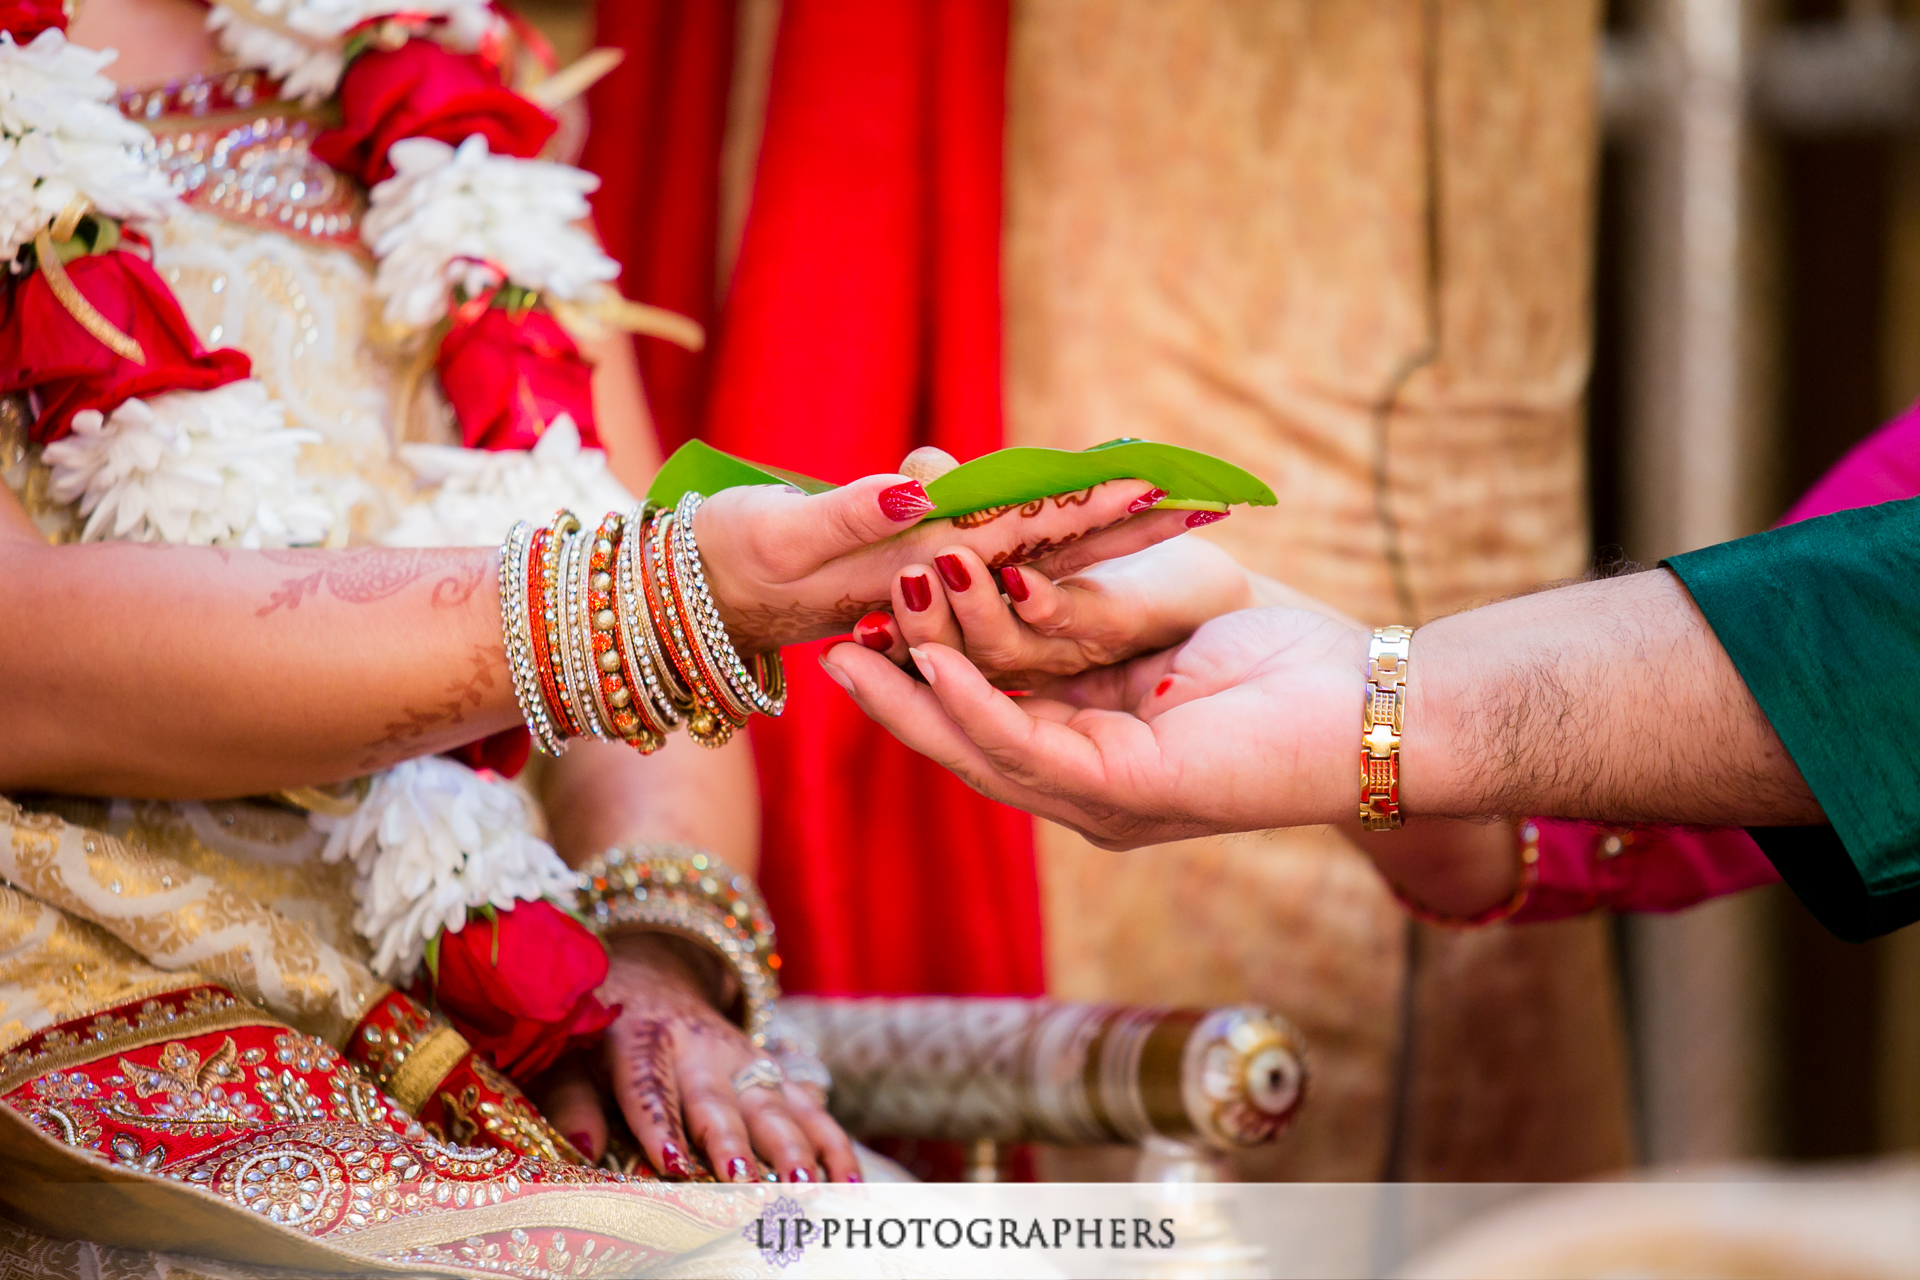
(1822, 620)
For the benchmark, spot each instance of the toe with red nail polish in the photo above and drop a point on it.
(953, 572)
(675, 1161)
(871, 631)
(800, 1175)
(1199, 518)
(905, 502)
(582, 1142)
(916, 591)
(737, 1170)
(1145, 501)
(1015, 583)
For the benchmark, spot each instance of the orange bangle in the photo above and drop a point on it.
(539, 600)
(1529, 844)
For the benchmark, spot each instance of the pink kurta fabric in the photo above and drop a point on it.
(1585, 867)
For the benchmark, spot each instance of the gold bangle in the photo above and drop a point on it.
(1381, 721)
(677, 889)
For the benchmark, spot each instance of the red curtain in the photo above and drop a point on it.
(658, 120)
(863, 321)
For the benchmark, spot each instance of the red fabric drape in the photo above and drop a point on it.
(863, 321)
(658, 122)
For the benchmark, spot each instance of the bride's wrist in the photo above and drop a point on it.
(614, 633)
(670, 958)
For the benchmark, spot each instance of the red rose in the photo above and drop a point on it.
(422, 90)
(504, 752)
(520, 986)
(509, 373)
(26, 19)
(43, 349)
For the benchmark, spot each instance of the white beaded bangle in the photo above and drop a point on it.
(745, 688)
(517, 633)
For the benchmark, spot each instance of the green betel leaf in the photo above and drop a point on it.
(1008, 476)
(1004, 478)
(701, 468)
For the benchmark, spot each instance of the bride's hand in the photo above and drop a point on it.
(670, 1059)
(785, 567)
(1149, 600)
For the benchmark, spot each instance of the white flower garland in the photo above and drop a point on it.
(432, 841)
(464, 217)
(205, 468)
(299, 42)
(478, 495)
(61, 139)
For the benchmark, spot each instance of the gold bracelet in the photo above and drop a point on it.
(1381, 721)
(677, 889)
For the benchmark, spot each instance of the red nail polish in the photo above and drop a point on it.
(905, 501)
(917, 592)
(1016, 585)
(871, 631)
(1160, 690)
(953, 572)
(1145, 500)
(1199, 518)
(800, 1175)
(737, 1170)
(675, 1161)
(583, 1143)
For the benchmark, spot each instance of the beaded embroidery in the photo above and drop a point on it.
(228, 145)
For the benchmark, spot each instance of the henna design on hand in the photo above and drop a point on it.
(1028, 510)
(366, 575)
(1026, 552)
(760, 628)
(461, 693)
(647, 1055)
(457, 588)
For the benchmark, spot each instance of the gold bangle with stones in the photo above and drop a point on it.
(713, 722)
(636, 657)
(679, 890)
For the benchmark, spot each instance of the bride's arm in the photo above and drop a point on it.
(133, 669)
(169, 671)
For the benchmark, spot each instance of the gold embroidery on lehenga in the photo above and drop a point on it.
(513, 1120)
(179, 918)
(54, 968)
(156, 1022)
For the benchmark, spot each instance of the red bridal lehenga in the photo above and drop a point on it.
(203, 1053)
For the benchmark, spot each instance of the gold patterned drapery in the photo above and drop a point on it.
(1346, 246)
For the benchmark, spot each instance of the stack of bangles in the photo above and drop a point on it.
(615, 635)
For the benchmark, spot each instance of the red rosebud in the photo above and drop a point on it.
(422, 90)
(520, 986)
(505, 752)
(43, 349)
(25, 19)
(508, 374)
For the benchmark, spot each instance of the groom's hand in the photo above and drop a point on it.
(1252, 723)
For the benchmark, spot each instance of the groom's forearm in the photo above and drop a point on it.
(1606, 700)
